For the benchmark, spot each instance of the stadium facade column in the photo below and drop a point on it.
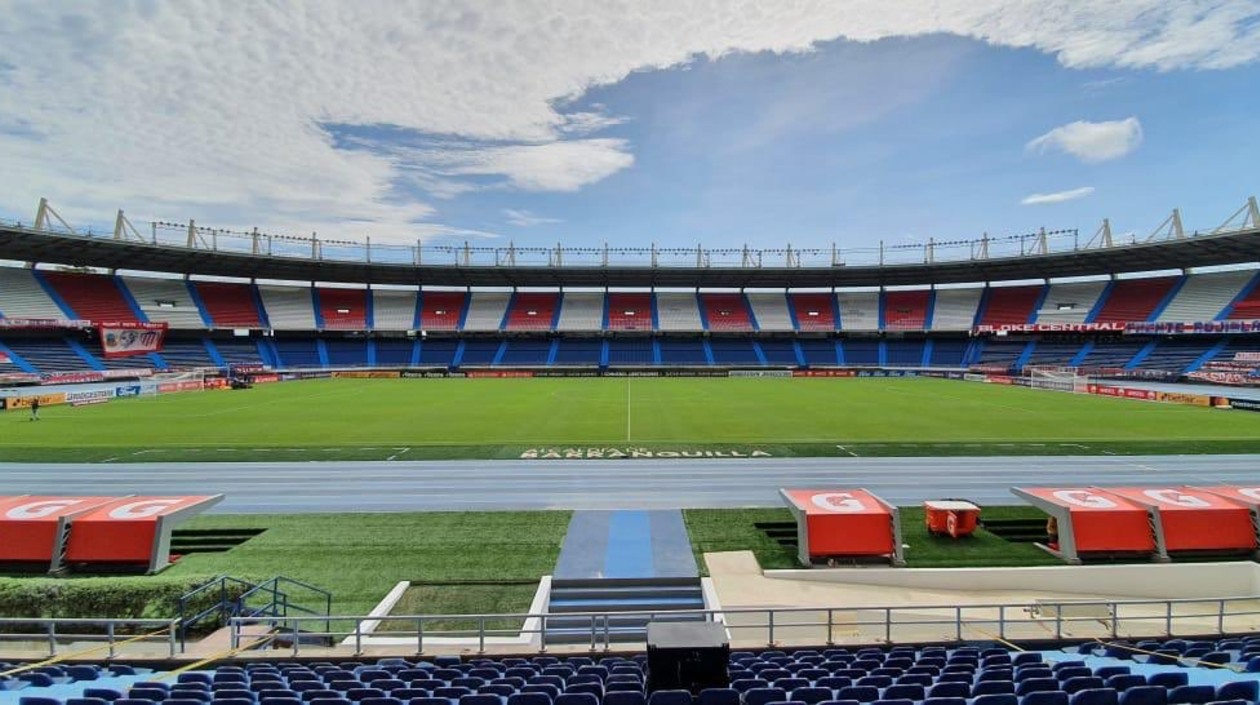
(198, 302)
(1168, 298)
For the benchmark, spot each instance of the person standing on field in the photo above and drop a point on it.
(35, 409)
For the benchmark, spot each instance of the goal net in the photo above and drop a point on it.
(1060, 379)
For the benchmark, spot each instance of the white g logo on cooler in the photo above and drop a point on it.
(142, 509)
(39, 510)
(1176, 499)
(1084, 498)
(838, 502)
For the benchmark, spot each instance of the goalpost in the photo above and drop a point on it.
(1060, 379)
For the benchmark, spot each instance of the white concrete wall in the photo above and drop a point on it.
(1160, 581)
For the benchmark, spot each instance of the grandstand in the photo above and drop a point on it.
(1057, 320)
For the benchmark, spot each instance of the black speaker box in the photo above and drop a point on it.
(687, 656)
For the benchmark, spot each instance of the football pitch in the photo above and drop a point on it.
(404, 419)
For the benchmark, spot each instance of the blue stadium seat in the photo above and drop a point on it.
(1026, 658)
(1030, 672)
(904, 691)
(948, 689)
(410, 693)
(180, 698)
(995, 674)
(1168, 679)
(1045, 697)
(919, 679)
(1076, 685)
(1059, 666)
(451, 692)
(717, 696)
(1064, 674)
(964, 676)
(1239, 690)
(531, 699)
(996, 699)
(625, 697)
(1126, 681)
(1095, 696)
(576, 699)
(85, 701)
(1036, 685)
(360, 694)
(546, 689)
(107, 694)
(945, 701)
(755, 696)
(470, 682)
(429, 701)
(670, 697)
(153, 694)
(1193, 694)
(893, 702)
(475, 699)
(1216, 658)
(499, 690)
(860, 693)
(593, 670)
(37, 680)
(1105, 672)
(789, 684)
(120, 701)
(993, 688)
(1144, 695)
(810, 695)
(747, 684)
(875, 681)
(834, 682)
(366, 701)
(596, 689)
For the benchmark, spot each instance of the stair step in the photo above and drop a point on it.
(626, 605)
(621, 593)
(606, 583)
(615, 620)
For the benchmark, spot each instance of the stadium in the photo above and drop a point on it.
(240, 467)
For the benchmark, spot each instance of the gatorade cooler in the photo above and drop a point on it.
(951, 517)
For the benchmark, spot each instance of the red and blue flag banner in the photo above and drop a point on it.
(123, 338)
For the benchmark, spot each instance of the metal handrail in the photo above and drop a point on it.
(48, 633)
(887, 618)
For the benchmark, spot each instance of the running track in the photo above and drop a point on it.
(607, 484)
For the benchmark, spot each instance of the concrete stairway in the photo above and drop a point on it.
(635, 566)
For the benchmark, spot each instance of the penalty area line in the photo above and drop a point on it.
(846, 450)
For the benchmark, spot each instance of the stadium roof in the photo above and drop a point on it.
(313, 260)
(72, 250)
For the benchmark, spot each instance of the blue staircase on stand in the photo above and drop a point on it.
(622, 562)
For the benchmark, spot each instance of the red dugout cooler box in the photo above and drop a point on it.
(951, 517)
(844, 524)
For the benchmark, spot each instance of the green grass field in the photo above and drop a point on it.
(490, 418)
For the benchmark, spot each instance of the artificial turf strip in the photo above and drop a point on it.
(352, 419)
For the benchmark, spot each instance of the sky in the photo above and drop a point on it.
(675, 122)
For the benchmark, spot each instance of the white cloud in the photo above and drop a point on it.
(216, 110)
(1038, 199)
(1092, 141)
(527, 219)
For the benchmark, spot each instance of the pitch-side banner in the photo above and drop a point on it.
(123, 338)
